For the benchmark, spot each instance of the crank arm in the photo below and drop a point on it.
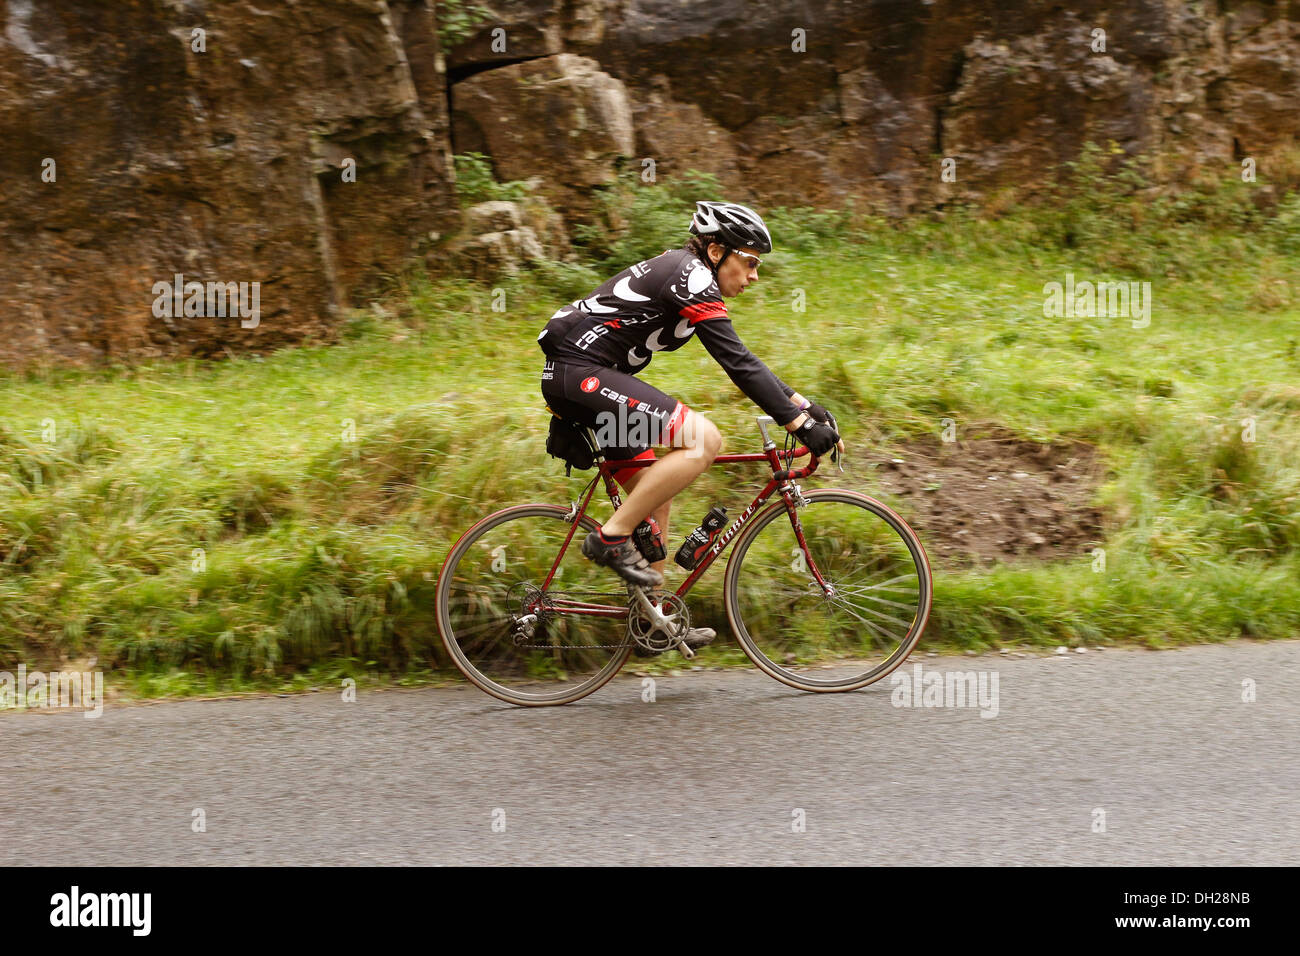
(657, 617)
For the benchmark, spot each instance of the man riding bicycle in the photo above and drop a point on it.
(595, 346)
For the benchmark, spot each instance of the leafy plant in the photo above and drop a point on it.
(458, 21)
(636, 220)
(476, 182)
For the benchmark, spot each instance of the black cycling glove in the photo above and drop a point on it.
(819, 413)
(818, 437)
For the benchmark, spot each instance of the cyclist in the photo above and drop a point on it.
(595, 346)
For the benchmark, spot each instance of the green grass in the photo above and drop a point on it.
(217, 526)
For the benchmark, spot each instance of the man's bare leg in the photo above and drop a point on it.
(656, 486)
(649, 484)
(660, 514)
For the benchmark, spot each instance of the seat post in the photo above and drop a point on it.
(595, 445)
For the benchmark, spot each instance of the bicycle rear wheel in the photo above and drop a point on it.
(518, 638)
(881, 592)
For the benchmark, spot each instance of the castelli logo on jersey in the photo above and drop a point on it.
(590, 384)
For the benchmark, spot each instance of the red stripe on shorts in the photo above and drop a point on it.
(675, 422)
(623, 474)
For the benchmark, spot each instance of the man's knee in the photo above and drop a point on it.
(701, 438)
(715, 441)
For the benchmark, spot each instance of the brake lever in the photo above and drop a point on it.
(836, 457)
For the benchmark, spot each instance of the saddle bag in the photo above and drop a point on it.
(567, 441)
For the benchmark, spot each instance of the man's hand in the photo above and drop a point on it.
(820, 414)
(819, 437)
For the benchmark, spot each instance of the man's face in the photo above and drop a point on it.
(737, 271)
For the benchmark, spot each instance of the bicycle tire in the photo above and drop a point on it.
(736, 613)
(447, 628)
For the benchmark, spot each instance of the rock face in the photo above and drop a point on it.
(130, 152)
(681, 136)
(559, 118)
(220, 157)
(873, 94)
(514, 30)
(499, 242)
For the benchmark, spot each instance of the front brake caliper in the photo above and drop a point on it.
(797, 494)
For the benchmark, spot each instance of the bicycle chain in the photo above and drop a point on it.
(541, 617)
(575, 647)
(566, 647)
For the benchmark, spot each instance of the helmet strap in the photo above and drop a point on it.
(726, 251)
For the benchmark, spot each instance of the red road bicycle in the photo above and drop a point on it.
(826, 590)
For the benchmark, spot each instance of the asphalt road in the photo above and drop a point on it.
(714, 770)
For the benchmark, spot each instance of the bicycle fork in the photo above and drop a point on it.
(828, 590)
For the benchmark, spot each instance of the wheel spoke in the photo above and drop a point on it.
(855, 609)
(882, 584)
(879, 600)
(868, 597)
(874, 627)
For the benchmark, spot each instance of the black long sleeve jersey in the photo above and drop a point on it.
(656, 306)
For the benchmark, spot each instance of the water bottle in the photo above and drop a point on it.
(649, 540)
(699, 540)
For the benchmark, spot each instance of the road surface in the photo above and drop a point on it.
(1117, 757)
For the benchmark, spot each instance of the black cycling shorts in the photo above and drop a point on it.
(628, 416)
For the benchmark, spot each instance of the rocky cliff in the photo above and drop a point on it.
(135, 148)
(811, 102)
(305, 145)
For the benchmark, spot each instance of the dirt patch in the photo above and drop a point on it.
(996, 499)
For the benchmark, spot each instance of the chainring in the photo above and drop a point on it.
(652, 637)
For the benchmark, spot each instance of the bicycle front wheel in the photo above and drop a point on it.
(875, 611)
(524, 615)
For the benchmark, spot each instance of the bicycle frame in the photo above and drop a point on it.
(779, 481)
